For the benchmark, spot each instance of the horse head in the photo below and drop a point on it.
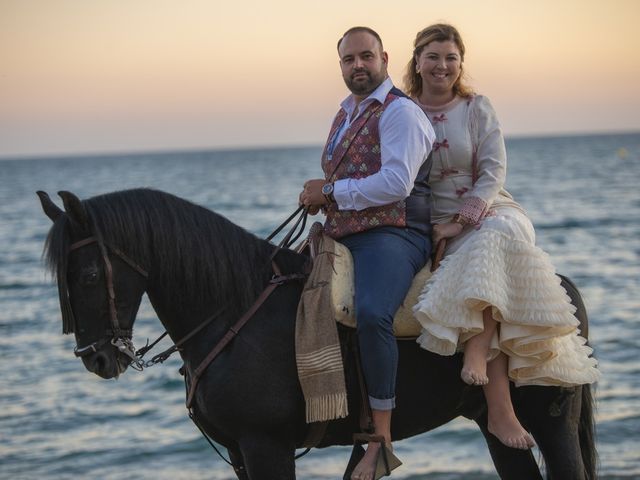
(100, 288)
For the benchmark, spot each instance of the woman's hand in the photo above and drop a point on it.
(445, 230)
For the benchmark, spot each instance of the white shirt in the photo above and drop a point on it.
(406, 137)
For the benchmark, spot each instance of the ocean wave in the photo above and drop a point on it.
(22, 286)
(582, 223)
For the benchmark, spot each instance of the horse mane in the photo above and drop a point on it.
(200, 253)
(56, 255)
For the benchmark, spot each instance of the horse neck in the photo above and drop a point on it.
(225, 286)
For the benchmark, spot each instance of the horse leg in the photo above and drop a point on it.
(553, 415)
(238, 463)
(268, 457)
(510, 463)
(356, 455)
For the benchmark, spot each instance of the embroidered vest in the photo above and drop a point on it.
(360, 147)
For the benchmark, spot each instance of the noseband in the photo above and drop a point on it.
(119, 338)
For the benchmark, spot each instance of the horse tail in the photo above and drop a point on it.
(586, 434)
(586, 422)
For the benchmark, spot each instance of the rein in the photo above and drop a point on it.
(276, 280)
(121, 338)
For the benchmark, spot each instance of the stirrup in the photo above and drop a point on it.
(387, 461)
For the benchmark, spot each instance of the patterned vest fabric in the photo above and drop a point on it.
(360, 147)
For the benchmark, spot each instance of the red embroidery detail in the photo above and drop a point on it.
(440, 118)
(461, 191)
(443, 144)
(445, 172)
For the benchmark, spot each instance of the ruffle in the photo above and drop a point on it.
(538, 330)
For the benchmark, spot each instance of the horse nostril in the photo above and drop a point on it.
(99, 363)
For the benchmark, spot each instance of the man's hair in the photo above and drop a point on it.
(368, 30)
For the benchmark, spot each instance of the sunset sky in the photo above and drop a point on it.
(100, 76)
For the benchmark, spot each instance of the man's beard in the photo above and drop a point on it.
(360, 87)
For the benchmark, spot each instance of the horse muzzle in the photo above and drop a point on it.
(107, 358)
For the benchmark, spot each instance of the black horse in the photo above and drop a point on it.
(194, 264)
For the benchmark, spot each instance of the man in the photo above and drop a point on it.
(376, 200)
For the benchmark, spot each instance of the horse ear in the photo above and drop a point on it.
(51, 210)
(74, 208)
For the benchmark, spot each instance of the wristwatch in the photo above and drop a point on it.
(327, 191)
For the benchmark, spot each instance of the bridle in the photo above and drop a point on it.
(119, 337)
(122, 338)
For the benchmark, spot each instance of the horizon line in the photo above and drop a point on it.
(250, 148)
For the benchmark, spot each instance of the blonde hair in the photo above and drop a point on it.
(439, 32)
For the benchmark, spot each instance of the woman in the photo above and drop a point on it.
(495, 294)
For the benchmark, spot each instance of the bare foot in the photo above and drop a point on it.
(366, 468)
(474, 368)
(508, 430)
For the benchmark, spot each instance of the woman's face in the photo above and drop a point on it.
(439, 65)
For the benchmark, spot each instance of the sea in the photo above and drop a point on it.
(58, 421)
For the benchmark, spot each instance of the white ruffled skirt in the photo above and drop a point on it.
(498, 265)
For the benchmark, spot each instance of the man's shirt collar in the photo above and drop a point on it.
(379, 94)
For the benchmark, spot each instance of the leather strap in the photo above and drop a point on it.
(437, 256)
(236, 327)
(120, 253)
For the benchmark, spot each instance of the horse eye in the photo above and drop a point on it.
(89, 278)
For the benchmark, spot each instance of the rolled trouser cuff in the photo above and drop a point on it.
(382, 403)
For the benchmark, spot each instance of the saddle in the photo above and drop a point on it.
(340, 281)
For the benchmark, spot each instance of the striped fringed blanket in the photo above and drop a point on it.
(317, 345)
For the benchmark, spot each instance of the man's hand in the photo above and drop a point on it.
(445, 230)
(311, 195)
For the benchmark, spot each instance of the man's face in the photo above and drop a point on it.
(363, 63)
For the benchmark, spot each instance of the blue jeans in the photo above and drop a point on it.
(385, 261)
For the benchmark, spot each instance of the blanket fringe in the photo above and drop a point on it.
(327, 407)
